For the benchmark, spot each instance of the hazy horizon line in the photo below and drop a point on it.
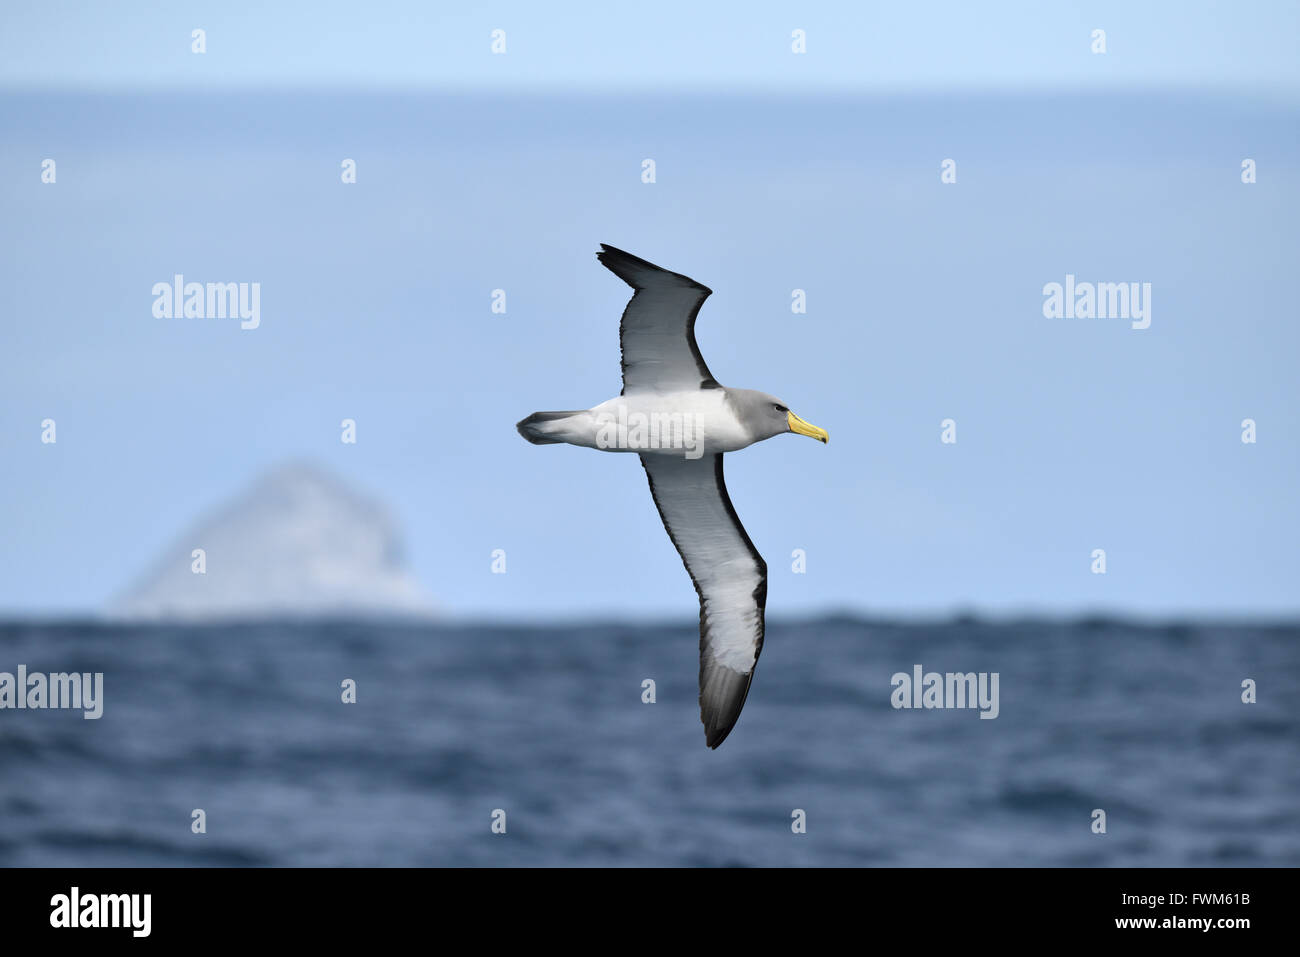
(1242, 92)
(550, 621)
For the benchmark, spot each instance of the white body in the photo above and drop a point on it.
(695, 423)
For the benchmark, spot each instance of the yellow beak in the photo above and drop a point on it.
(807, 428)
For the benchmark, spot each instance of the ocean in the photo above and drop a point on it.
(545, 730)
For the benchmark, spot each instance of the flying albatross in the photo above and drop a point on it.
(673, 412)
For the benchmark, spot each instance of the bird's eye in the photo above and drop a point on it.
(781, 408)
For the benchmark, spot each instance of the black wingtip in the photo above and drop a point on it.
(613, 258)
(621, 264)
(713, 737)
(722, 698)
(627, 267)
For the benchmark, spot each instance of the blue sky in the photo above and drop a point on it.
(775, 172)
(592, 47)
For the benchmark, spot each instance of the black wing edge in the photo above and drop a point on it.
(623, 265)
(728, 688)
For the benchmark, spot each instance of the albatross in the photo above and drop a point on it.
(681, 421)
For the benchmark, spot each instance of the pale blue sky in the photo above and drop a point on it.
(924, 298)
(590, 47)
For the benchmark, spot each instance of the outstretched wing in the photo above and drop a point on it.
(658, 328)
(729, 575)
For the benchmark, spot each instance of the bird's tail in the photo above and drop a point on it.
(539, 428)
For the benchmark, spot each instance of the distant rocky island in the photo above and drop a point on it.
(297, 543)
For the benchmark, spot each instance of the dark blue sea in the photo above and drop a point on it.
(548, 724)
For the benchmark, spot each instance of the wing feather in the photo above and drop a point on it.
(657, 332)
(729, 574)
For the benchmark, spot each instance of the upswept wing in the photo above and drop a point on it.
(658, 327)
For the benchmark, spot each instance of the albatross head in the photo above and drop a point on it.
(766, 415)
